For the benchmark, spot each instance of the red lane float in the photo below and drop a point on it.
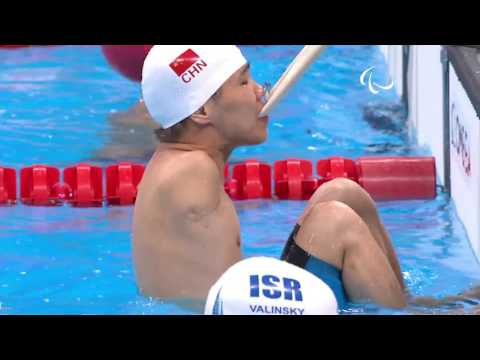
(86, 183)
(127, 59)
(82, 187)
(8, 186)
(384, 178)
(399, 178)
(251, 180)
(230, 185)
(37, 185)
(337, 167)
(122, 183)
(293, 179)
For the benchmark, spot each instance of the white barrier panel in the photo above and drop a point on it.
(464, 160)
(412, 89)
(425, 95)
(425, 99)
(426, 126)
(394, 58)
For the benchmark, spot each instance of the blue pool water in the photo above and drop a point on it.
(54, 109)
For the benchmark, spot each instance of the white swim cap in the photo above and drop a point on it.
(179, 79)
(267, 286)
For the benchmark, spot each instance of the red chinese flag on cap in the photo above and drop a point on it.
(182, 63)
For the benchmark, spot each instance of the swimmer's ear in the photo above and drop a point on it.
(200, 117)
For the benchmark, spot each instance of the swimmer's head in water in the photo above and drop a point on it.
(209, 85)
(267, 286)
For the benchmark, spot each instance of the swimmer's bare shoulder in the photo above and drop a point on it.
(188, 182)
(189, 235)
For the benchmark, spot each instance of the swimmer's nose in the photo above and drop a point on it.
(260, 93)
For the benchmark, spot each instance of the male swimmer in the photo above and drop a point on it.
(186, 232)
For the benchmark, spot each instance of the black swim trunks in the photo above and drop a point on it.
(329, 274)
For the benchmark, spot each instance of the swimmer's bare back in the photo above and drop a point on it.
(186, 232)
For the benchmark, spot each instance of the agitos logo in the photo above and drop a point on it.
(188, 66)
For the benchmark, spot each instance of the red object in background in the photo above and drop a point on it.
(8, 186)
(62, 192)
(36, 185)
(337, 167)
(293, 179)
(231, 185)
(226, 174)
(122, 183)
(384, 178)
(253, 181)
(13, 46)
(127, 59)
(398, 178)
(86, 184)
(19, 46)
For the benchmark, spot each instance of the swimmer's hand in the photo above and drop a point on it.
(452, 300)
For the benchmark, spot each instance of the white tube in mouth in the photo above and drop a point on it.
(293, 73)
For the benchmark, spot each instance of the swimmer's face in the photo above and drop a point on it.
(234, 112)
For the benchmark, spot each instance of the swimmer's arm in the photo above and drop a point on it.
(201, 203)
(204, 218)
(196, 187)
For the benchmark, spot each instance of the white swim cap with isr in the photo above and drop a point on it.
(267, 286)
